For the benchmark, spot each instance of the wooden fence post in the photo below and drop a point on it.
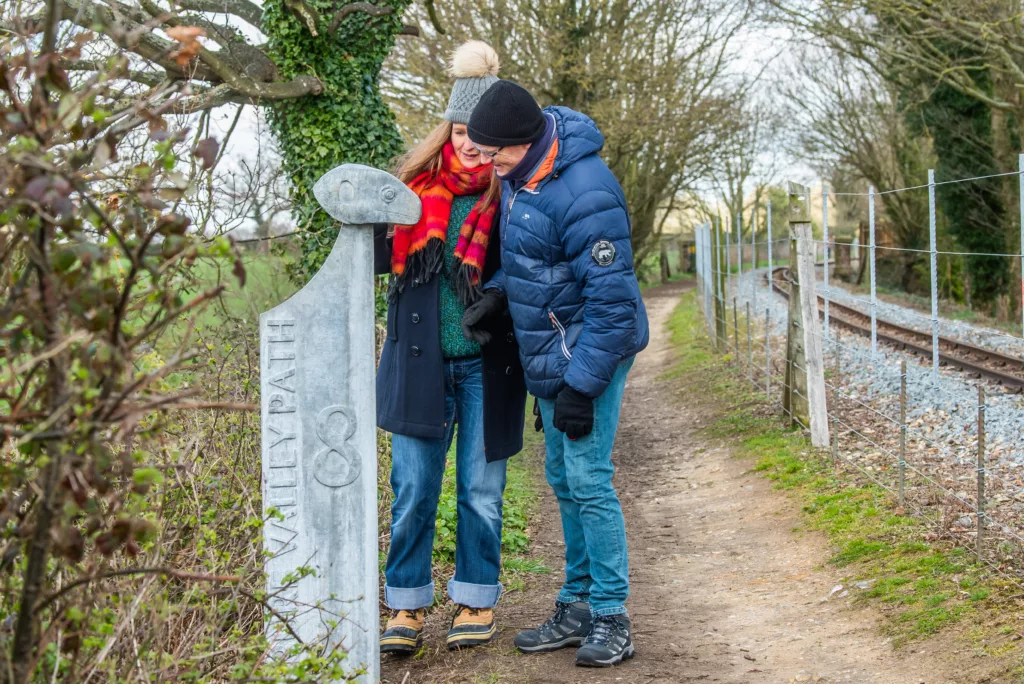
(795, 399)
(812, 336)
(720, 313)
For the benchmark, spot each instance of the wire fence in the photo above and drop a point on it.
(917, 431)
(946, 270)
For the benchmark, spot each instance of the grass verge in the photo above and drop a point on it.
(920, 583)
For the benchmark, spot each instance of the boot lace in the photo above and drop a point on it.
(463, 609)
(604, 629)
(548, 628)
(412, 615)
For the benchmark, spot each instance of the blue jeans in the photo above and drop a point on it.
(417, 468)
(580, 472)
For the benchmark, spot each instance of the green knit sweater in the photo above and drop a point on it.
(453, 344)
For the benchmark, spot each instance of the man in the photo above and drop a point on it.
(567, 274)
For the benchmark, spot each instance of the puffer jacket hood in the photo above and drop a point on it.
(578, 136)
(567, 267)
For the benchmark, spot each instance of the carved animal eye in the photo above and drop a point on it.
(388, 194)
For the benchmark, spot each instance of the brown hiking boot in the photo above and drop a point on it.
(404, 632)
(471, 627)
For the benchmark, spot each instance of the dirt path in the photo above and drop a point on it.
(722, 590)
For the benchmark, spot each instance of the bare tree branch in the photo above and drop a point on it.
(243, 85)
(150, 78)
(432, 13)
(250, 12)
(306, 13)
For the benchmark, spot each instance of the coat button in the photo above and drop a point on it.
(511, 337)
(415, 351)
(415, 318)
(508, 371)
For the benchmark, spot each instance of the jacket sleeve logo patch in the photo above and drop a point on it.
(603, 253)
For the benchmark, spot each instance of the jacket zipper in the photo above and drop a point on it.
(508, 215)
(561, 332)
(512, 201)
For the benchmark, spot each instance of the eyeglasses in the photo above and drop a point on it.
(489, 155)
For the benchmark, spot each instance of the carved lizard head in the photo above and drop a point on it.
(357, 194)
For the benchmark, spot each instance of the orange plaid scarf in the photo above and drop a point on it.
(418, 251)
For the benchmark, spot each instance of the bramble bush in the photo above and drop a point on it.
(130, 516)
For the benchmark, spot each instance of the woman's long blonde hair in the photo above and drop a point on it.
(427, 157)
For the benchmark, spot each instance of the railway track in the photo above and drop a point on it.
(976, 361)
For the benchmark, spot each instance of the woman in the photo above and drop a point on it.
(431, 377)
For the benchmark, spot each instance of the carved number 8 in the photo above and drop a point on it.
(337, 464)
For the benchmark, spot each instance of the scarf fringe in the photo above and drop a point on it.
(465, 280)
(421, 265)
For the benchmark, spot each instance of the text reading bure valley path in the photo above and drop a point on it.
(723, 590)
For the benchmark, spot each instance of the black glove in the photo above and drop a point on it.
(491, 303)
(538, 423)
(574, 413)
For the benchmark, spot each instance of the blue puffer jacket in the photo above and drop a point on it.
(575, 303)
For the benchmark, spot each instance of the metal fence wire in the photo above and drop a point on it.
(906, 423)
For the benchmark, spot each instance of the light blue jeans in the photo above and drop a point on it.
(580, 472)
(417, 468)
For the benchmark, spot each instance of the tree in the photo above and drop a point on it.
(962, 130)
(958, 68)
(654, 76)
(107, 382)
(254, 193)
(849, 125)
(317, 69)
(947, 40)
(749, 153)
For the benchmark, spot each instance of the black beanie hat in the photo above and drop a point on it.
(506, 115)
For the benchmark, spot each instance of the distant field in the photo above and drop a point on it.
(266, 285)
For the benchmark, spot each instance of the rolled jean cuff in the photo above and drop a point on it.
(474, 595)
(607, 611)
(399, 598)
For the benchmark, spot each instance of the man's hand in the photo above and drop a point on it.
(492, 302)
(574, 413)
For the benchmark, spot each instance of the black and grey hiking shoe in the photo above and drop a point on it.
(567, 627)
(608, 643)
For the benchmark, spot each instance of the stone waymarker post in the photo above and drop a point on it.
(319, 430)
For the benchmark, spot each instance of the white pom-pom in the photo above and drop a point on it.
(474, 59)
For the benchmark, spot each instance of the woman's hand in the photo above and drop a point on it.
(492, 302)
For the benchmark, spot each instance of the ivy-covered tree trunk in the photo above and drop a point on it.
(348, 122)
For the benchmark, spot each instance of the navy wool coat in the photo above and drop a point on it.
(410, 377)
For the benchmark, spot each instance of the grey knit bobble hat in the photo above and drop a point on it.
(474, 66)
